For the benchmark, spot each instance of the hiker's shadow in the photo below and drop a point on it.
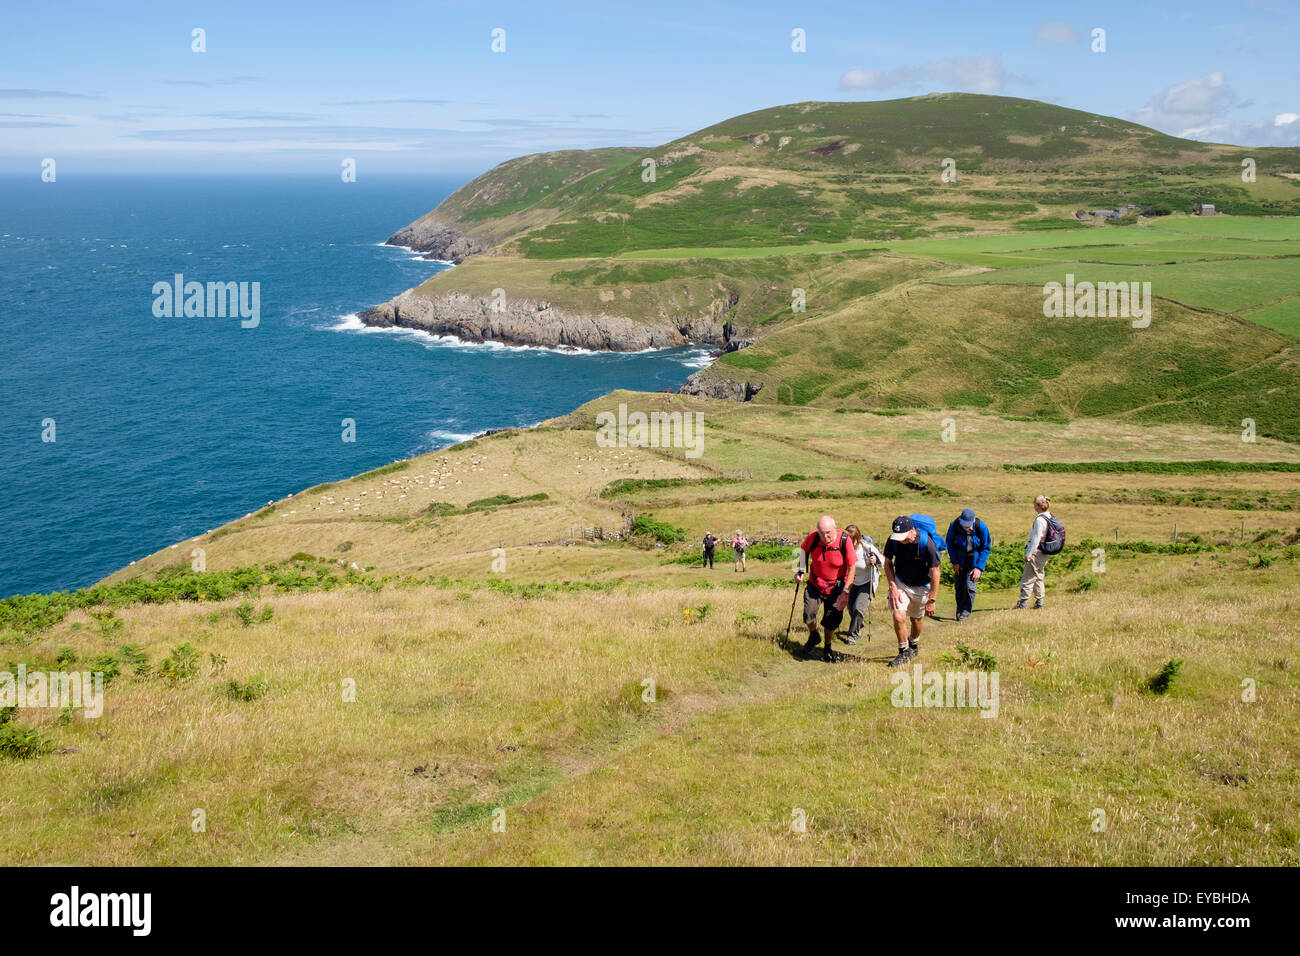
(796, 650)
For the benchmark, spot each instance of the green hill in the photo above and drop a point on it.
(827, 172)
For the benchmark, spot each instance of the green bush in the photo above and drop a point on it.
(136, 658)
(969, 657)
(246, 617)
(181, 664)
(20, 742)
(255, 688)
(105, 663)
(661, 531)
(628, 485)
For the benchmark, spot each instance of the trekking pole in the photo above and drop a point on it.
(871, 599)
(793, 602)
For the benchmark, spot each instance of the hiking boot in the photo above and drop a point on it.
(904, 655)
(831, 656)
(1020, 605)
(913, 647)
(810, 645)
(1038, 605)
(848, 639)
(963, 615)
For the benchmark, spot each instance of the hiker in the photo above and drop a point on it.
(710, 542)
(826, 557)
(911, 566)
(969, 543)
(1038, 550)
(869, 559)
(738, 545)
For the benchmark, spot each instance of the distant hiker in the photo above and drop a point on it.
(866, 575)
(1046, 538)
(828, 559)
(738, 545)
(911, 566)
(710, 542)
(969, 543)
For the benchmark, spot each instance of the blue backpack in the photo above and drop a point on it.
(926, 527)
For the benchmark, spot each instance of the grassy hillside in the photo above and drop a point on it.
(516, 680)
(897, 269)
(811, 173)
(977, 338)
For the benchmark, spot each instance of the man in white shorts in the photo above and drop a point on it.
(911, 568)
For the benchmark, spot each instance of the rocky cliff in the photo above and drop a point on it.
(524, 321)
(708, 383)
(437, 240)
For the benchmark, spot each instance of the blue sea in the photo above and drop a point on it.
(165, 428)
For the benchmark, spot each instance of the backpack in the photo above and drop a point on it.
(926, 527)
(1053, 537)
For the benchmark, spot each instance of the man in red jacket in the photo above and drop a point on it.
(828, 558)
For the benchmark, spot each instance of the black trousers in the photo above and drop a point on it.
(708, 557)
(965, 590)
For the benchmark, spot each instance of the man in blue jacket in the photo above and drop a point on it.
(969, 543)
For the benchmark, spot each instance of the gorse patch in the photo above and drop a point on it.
(181, 664)
(969, 657)
(20, 742)
(246, 616)
(255, 688)
(660, 531)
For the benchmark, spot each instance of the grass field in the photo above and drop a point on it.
(520, 688)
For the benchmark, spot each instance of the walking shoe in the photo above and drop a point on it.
(848, 639)
(963, 615)
(1020, 605)
(904, 655)
(1038, 605)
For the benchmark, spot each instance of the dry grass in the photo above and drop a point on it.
(469, 699)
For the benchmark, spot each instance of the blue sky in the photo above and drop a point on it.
(414, 87)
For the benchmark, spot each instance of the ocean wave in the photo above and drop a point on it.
(416, 255)
(353, 323)
(698, 358)
(450, 438)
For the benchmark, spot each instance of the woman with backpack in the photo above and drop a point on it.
(866, 575)
(1046, 538)
(738, 545)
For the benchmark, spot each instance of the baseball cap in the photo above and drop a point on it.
(902, 528)
(967, 519)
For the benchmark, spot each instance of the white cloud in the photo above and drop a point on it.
(1199, 109)
(1188, 107)
(1055, 31)
(975, 74)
